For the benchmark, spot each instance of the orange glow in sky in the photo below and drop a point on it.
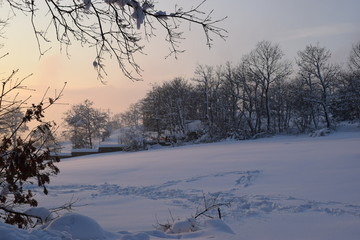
(291, 23)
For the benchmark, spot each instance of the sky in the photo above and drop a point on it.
(293, 24)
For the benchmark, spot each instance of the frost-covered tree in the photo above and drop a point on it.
(354, 60)
(218, 89)
(232, 92)
(259, 96)
(267, 67)
(319, 76)
(206, 86)
(346, 106)
(169, 106)
(152, 111)
(354, 80)
(176, 96)
(85, 124)
(113, 28)
(131, 117)
(251, 103)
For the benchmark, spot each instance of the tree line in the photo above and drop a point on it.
(263, 95)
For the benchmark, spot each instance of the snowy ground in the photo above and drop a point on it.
(279, 188)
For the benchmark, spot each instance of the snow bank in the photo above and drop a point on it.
(219, 226)
(73, 226)
(78, 226)
(8, 232)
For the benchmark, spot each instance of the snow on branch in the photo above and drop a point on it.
(114, 28)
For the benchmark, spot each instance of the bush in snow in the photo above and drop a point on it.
(24, 158)
(210, 210)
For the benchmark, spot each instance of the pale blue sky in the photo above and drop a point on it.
(291, 23)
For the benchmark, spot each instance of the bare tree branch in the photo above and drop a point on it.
(113, 27)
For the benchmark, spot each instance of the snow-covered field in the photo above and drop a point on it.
(284, 187)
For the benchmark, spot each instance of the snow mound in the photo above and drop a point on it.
(9, 232)
(44, 214)
(218, 225)
(78, 226)
(188, 225)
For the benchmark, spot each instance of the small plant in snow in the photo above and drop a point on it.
(178, 226)
(211, 209)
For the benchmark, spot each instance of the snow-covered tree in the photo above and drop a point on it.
(250, 100)
(346, 106)
(267, 67)
(354, 60)
(231, 92)
(167, 107)
(258, 96)
(85, 124)
(131, 117)
(206, 86)
(319, 76)
(113, 28)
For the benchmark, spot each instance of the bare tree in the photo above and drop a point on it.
(354, 78)
(132, 117)
(231, 91)
(168, 108)
(152, 111)
(354, 60)
(204, 76)
(319, 75)
(346, 106)
(213, 105)
(266, 65)
(112, 27)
